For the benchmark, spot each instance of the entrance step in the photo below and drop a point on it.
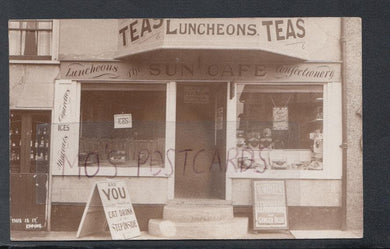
(199, 202)
(198, 219)
(195, 213)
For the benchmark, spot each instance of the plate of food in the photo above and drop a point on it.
(279, 165)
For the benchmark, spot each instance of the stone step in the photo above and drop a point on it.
(202, 202)
(223, 229)
(197, 213)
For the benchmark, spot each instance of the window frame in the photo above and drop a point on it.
(332, 133)
(54, 42)
(72, 167)
(126, 87)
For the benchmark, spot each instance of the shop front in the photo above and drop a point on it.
(173, 131)
(194, 111)
(255, 124)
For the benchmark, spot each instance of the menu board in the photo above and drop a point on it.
(269, 205)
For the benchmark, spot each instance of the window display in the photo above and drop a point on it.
(280, 127)
(123, 126)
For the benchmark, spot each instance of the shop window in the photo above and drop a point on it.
(280, 127)
(30, 39)
(122, 125)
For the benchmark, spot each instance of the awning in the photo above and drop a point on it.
(277, 39)
(220, 55)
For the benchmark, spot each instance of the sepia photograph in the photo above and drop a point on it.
(185, 128)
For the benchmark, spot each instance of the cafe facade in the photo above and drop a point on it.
(184, 110)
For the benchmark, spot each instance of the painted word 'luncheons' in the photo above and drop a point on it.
(273, 30)
(96, 70)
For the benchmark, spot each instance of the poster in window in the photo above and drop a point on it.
(280, 118)
(196, 95)
(122, 121)
(219, 119)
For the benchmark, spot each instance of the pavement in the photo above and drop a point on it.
(291, 234)
(327, 234)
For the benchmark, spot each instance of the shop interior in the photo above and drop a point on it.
(140, 139)
(280, 127)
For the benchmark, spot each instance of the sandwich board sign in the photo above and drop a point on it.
(269, 205)
(109, 204)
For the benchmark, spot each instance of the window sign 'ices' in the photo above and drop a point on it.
(122, 121)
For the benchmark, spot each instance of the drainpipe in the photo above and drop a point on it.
(344, 144)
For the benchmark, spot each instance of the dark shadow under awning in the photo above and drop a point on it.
(220, 55)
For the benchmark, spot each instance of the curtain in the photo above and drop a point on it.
(30, 41)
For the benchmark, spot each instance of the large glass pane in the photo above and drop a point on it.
(280, 127)
(23, 24)
(14, 42)
(13, 25)
(44, 25)
(15, 141)
(40, 143)
(123, 126)
(44, 44)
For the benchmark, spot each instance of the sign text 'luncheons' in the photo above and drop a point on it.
(273, 30)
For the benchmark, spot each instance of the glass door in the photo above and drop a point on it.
(29, 169)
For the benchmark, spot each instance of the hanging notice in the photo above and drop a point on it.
(196, 95)
(280, 118)
(122, 121)
(110, 205)
(269, 205)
